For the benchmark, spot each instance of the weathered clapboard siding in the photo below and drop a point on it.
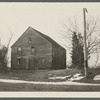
(59, 57)
(35, 38)
(42, 58)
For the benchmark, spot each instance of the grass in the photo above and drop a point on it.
(40, 75)
(43, 75)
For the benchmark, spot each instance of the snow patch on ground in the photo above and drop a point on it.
(59, 77)
(76, 76)
(97, 77)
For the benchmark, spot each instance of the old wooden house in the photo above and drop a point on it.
(34, 50)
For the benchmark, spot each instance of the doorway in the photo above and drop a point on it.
(32, 64)
(42, 63)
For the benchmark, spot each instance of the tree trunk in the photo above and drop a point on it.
(4, 67)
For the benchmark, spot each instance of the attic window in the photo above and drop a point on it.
(29, 40)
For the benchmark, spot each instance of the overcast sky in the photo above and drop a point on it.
(45, 17)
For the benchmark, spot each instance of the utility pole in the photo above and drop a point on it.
(85, 45)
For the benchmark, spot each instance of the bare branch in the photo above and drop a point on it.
(92, 29)
(8, 43)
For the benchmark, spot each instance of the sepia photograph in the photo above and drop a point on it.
(49, 47)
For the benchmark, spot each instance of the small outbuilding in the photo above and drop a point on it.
(34, 51)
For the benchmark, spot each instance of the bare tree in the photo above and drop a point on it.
(68, 28)
(92, 38)
(4, 53)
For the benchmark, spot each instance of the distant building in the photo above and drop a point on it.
(34, 50)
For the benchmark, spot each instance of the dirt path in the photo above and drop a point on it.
(48, 83)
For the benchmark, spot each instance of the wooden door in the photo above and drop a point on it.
(32, 64)
(42, 63)
(24, 64)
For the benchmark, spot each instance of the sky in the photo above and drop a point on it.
(47, 18)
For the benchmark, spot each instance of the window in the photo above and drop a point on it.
(29, 40)
(32, 50)
(18, 61)
(19, 50)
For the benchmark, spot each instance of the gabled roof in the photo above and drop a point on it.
(43, 35)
